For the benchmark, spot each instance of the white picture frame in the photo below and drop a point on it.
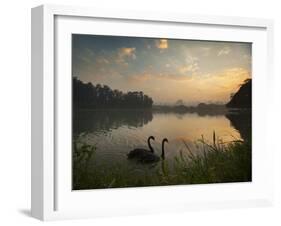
(52, 197)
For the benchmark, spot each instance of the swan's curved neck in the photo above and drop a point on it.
(149, 145)
(163, 151)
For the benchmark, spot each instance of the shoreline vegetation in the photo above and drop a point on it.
(209, 109)
(215, 162)
(87, 96)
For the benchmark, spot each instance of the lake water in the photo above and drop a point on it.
(115, 133)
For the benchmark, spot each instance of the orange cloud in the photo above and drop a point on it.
(191, 68)
(162, 44)
(127, 52)
(124, 54)
(218, 86)
(195, 88)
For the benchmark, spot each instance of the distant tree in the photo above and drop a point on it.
(179, 102)
(202, 105)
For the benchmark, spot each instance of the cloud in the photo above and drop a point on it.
(192, 88)
(162, 44)
(140, 77)
(224, 51)
(124, 54)
(247, 58)
(87, 55)
(102, 60)
(127, 52)
(212, 86)
(223, 82)
(190, 67)
(205, 51)
(145, 77)
(191, 59)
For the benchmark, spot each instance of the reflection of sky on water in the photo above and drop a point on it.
(120, 136)
(115, 133)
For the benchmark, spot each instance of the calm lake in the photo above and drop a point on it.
(116, 132)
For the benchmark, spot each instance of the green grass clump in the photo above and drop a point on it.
(218, 163)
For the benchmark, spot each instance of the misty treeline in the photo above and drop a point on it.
(87, 95)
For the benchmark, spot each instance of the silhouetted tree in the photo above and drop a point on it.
(243, 97)
(86, 95)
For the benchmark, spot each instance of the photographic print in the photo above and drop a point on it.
(158, 111)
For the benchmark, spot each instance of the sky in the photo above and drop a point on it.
(167, 70)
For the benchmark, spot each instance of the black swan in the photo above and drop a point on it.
(146, 156)
(163, 143)
(138, 153)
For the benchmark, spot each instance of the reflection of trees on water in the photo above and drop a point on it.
(201, 109)
(241, 122)
(210, 113)
(90, 121)
(192, 110)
